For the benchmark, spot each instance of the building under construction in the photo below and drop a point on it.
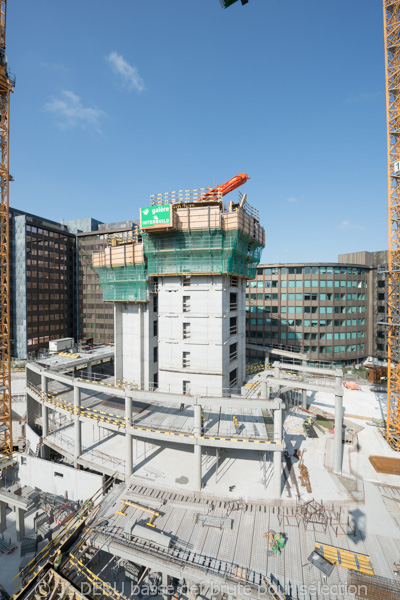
(178, 288)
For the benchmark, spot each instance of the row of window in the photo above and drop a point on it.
(311, 270)
(299, 323)
(298, 310)
(309, 297)
(313, 283)
(308, 322)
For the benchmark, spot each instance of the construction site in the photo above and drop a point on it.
(168, 464)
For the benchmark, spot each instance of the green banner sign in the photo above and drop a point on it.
(152, 217)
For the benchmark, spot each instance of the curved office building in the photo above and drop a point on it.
(330, 311)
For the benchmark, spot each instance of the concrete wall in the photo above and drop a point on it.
(135, 342)
(57, 478)
(208, 363)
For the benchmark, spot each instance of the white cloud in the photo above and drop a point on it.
(361, 96)
(292, 199)
(71, 112)
(348, 225)
(128, 73)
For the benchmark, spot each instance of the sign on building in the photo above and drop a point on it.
(396, 167)
(153, 217)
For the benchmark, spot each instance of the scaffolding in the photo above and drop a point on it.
(209, 252)
(124, 284)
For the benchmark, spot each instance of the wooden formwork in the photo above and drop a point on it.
(119, 256)
(210, 217)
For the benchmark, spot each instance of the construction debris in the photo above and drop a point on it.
(304, 475)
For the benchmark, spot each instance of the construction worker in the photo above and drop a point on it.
(57, 561)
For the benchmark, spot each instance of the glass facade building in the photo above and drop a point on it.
(329, 311)
(43, 282)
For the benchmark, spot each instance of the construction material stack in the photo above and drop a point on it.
(178, 288)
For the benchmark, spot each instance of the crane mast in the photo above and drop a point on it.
(6, 85)
(391, 16)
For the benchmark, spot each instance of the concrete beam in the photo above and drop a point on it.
(270, 350)
(306, 369)
(300, 385)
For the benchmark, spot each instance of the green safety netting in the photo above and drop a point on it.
(212, 251)
(124, 284)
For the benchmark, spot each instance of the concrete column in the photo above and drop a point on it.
(128, 438)
(78, 425)
(264, 389)
(20, 514)
(166, 582)
(338, 444)
(197, 448)
(89, 370)
(277, 454)
(304, 392)
(45, 451)
(3, 516)
(266, 362)
(277, 370)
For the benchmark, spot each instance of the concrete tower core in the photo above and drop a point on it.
(178, 288)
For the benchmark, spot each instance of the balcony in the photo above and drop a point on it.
(233, 329)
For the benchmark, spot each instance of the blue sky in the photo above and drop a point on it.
(118, 101)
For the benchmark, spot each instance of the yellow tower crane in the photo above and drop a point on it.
(6, 85)
(391, 16)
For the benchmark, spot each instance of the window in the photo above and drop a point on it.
(283, 270)
(233, 351)
(185, 359)
(155, 354)
(155, 303)
(186, 304)
(233, 305)
(155, 327)
(186, 281)
(233, 377)
(186, 387)
(56, 474)
(234, 281)
(232, 325)
(283, 296)
(186, 330)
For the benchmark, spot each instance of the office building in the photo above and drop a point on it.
(43, 282)
(330, 311)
